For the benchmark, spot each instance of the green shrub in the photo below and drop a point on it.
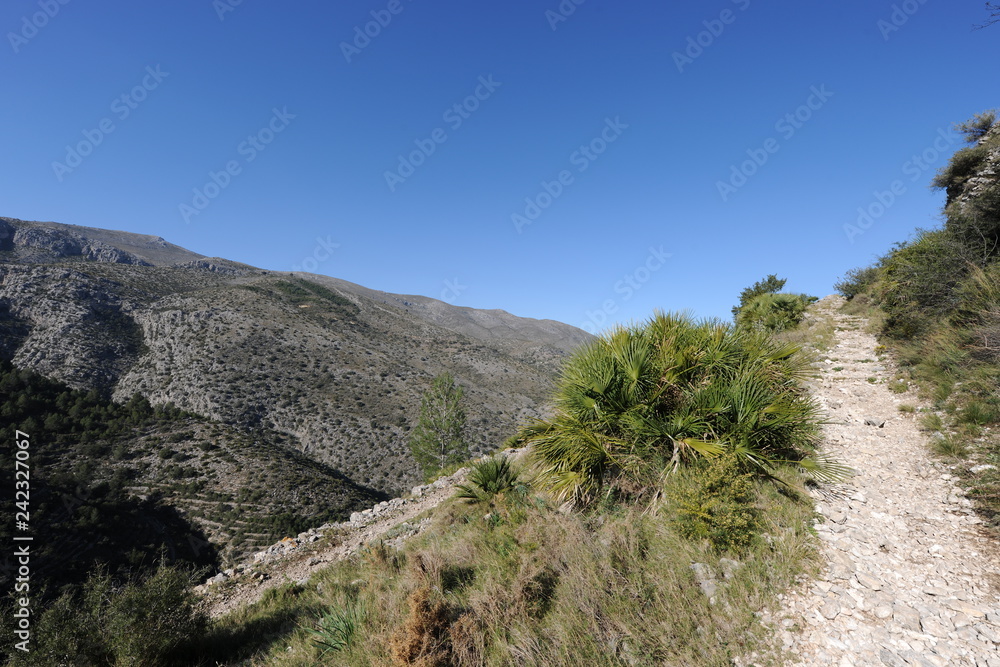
(643, 400)
(856, 281)
(771, 284)
(774, 312)
(976, 127)
(716, 503)
(148, 622)
(964, 164)
(979, 413)
(918, 281)
(975, 224)
(931, 422)
(949, 446)
(490, 478)
(335, 630)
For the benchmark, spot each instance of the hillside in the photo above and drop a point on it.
(120, 485)
(904, 575)
(337, 369)
(886, 566)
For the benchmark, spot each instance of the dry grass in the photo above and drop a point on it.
(424, 640)
(533, 585)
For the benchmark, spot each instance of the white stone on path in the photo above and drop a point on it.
(907, 579)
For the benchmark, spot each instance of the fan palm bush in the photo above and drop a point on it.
(336, 629)
(645, 399)
(490, 478)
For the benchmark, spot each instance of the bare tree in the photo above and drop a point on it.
(994, 10)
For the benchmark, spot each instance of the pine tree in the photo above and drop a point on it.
(437, 441)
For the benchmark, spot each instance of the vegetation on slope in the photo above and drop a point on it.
(678, 537)
(937, 303)
(669, 436)
(516, 581)
(337, 370)
(119, 490)
(644, 400)
(145, 620)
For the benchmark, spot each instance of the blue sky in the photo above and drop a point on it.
(586, 162)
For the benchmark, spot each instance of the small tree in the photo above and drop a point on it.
(978, 126)
(856, 281)
(772, 284)
(437, 440)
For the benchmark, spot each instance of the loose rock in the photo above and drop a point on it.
(907, 580)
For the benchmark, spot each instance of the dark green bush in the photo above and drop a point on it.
(770, 284)
(918, 281)
(642, 401)
(856, 281)
(491, 478)
(978, 126)
(716, 503)
(774, 312)
(963, 165)
(141, 622)
(975, 225)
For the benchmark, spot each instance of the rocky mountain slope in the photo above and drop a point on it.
(336, 368)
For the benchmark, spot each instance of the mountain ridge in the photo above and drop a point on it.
(336, 367)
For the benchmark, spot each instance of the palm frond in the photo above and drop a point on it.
(824, 468)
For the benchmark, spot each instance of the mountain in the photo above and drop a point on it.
(334, 369)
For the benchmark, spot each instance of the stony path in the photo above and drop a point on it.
(295, 560)
(909, 577)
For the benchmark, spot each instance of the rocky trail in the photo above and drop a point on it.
(909, 577)
(295, 560)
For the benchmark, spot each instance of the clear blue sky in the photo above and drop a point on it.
(158, 96)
